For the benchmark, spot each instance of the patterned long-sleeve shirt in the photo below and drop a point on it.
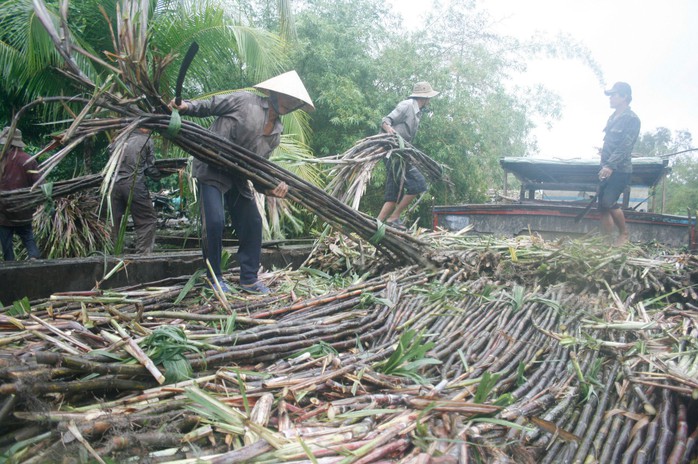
(621, 131)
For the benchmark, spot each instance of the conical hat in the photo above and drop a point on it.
(290, 84)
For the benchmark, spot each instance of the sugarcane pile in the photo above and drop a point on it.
(486, 356)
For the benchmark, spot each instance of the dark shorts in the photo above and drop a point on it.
(413, 183)
(612, 190)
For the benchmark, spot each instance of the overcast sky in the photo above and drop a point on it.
(650, 44)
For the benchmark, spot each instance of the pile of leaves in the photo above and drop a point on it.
(486, 355)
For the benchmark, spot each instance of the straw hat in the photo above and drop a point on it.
(290, 84)
(16, 138)
(423, 90)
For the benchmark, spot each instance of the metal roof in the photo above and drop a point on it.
(647, 171)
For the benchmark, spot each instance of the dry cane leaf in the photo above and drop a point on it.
(552, 428)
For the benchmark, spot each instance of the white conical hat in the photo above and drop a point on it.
(290, 84)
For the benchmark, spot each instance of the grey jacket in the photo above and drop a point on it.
(240, 118)
(404, 119)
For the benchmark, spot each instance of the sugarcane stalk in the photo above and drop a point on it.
(146, 440)
(80, 364)
(666, 430)
(646, 404)
(551, 415)
(381, 451)
(639, 448)
(591, 429)
(559, 447)
(690, 443)
(8, 406)
(61, 334)
(108, 384)
(615, 449)
(260, 414)
(54, 341)
(245, 454)
(678, 451)
(187, 316)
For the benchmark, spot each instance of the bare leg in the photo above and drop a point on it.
(606, 223)
(388, 206)
(619, 221)
(401, 207)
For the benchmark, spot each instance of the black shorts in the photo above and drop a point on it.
(414, 181)
(612, 190)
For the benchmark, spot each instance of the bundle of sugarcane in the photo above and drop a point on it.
(14, 201)
(407, 365)
(215, 150)
(353, 168)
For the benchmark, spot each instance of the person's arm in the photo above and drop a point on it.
(395, 117)
(218, 105)
(387, 126)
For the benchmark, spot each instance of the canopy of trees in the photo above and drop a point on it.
(680, 192)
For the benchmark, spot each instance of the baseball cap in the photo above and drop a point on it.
(622, 88)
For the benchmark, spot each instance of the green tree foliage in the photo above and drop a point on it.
(476, 119)
(338, 58)
(662, 142)
(360, 63)
(30, 66)
(681, 189)
(682, 186)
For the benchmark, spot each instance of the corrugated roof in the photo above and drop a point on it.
(647, 171)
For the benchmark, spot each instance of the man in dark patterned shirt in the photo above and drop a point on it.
(621, 132)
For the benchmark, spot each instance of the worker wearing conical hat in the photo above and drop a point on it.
(252, 122)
